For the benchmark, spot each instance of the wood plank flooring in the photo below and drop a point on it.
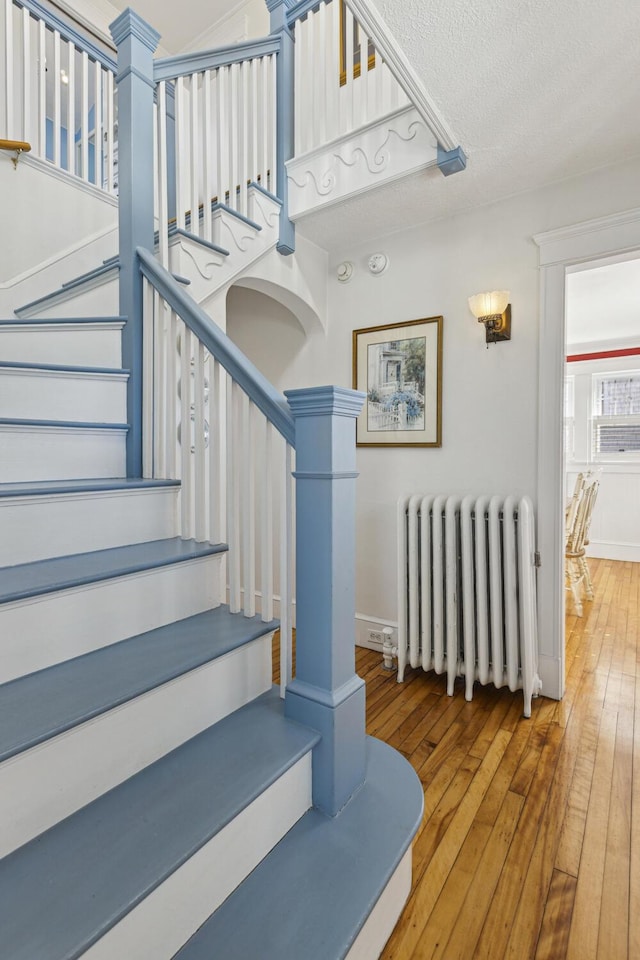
(530, 842)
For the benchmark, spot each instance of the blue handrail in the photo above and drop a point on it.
(272, 403)
(67, 32)
(168, 68)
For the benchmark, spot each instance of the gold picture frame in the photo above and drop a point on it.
(399, 367)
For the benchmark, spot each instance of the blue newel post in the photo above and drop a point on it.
(326, 693)
(284, 117)
(136, 42)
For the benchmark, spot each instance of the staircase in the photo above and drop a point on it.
(150, 784)
(159, 798)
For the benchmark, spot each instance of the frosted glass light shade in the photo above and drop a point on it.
(489, 304)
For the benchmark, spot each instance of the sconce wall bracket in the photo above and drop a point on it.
(499, 327)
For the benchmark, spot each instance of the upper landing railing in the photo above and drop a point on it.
(59, 93)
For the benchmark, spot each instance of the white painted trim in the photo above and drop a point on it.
(61, 255)
(65, 294)
(164, 920)
(364, 623)
(53, 779)
(380, 923)
(46, 166)
(614, 550)
(598, 346)
(560, 249)
(385, 43)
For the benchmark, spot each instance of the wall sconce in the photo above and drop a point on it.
(494, 310)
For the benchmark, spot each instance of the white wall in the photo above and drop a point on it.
(615, 526)
(73, 212)
(490, 396)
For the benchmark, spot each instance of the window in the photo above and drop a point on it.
(616, 416)
(569, 418)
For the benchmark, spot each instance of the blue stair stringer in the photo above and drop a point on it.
(65, 889)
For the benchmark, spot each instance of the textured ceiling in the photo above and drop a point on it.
(534, 92)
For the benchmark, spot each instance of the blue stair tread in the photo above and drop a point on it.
(44, 704)
(311, 895)
(35, 488)
(61, 573)
(64, 889)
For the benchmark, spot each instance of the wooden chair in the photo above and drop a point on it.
(578, 523)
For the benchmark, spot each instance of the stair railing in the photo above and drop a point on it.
(341, 81)
(212, 421)
(215, 134)
(59, 93)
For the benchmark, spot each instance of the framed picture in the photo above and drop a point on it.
(399, 367)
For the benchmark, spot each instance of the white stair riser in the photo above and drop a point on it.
(72, 344)
(37, 528)
(61, 395)
(380, 923)
(164, 920)
(61, 453)
(38, 632)
(96, 298)
(53, 779)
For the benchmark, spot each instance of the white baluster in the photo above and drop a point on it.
(71, 109)
(84, 119)
(348, 89)
(159, 387)
(332, 74)
(233, 138)
(215, 450)
(42, 88)
(387, 82)
(56, 98)
(208, 154)
(147, 378)
(320, 67)
(222, 156)
(243, 161)
(364, 76)
(186, 457)
(265, 113)
(97, 126)
(266, 522)
(233, 514)
(181, 155)
(248, 509)
(162, 178)
(9, 90)
(273, 181)
(26, 74)
(254, 125)
(286, 500)
(298, 90)
(194, 173)
(111, 134)
(199, 445)
(171, 334)
(305, 81)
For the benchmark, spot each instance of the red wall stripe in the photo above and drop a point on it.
(604, 354)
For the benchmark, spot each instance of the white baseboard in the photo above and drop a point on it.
(610, 550)
(366, 624)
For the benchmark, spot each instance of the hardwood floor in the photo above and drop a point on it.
(530, 843)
